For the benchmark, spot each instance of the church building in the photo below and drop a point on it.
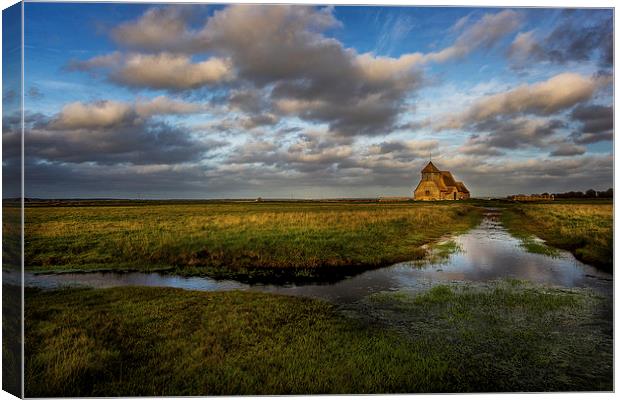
(439, 185)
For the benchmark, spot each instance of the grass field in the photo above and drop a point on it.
(135, 341)
(11, 235)
(193, 239)
(585, 229)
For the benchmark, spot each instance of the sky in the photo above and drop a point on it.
(231, 101)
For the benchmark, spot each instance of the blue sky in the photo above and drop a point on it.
(204, 101)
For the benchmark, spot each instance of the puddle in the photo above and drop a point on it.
(485, 253)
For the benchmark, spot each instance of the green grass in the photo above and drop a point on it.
(11, 299)
(11, 339)
(193, 239)
(585, 229)
(11, 235)
(532, 245)
(156, 341)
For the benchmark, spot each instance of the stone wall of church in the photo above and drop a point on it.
(427, 190)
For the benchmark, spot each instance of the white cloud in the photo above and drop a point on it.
(99, 114)
(173, 72)
(163, 105)
(557, 93)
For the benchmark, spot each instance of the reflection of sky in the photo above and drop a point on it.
(487, 253)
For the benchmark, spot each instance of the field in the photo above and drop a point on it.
(196, 239)
(583, 228)
(506, 336)
(469, 337)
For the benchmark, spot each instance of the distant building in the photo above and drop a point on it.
(439, 185)
(532, 197)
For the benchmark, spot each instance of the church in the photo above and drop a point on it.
(439, 185)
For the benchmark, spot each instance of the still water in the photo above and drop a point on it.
(487, 252)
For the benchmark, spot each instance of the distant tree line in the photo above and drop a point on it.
(588, 194)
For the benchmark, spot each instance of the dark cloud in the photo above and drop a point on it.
(518, 132)
(579, 39)
(283, 52)
(479, 148)
(568, 149)
(596, 123)
(499, 134)
(404, 150)
(127, 141)
(579, 36)
(312, 77)
(63, 180)
(34, 93)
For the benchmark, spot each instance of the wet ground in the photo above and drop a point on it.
(485, 253)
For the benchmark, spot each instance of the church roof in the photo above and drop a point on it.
(461, 187)
(448, 178)
(430, 167)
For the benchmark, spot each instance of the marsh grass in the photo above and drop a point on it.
(12, 360)
(193, 238)
(11, 235)
(586, 230)
(438, 252)
(160, 341)
(534, 245)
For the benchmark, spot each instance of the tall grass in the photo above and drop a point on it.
(195, 236)
(584, 229)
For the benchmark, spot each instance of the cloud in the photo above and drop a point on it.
(460, 23)
(479, 149)
(568, 149)
(485, 33)
(162, 105)
(308, 152)
(99, 62)
(34, 93)
(259, 120)
(100, 114)
(310, 76)
(578, 37)
(533, 175)
(167, 71)
(158, 29)
(404, 150)
(293, 100)
(543, 98)
(283, 52)
(516, 133)
(108, 113)
(67, 180)
(136, 142)
(171, 72)
(596, 123)
(524, 48)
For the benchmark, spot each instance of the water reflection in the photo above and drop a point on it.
(485, 253)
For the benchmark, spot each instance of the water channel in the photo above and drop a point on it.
(485, 253)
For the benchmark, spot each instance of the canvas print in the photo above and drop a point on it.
(255, 199)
